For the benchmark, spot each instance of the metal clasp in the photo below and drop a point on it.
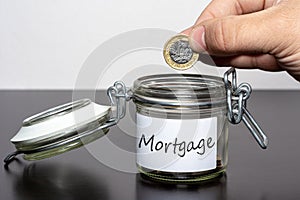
(237, 97)
(118, 96)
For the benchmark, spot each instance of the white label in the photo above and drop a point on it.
(176, 145)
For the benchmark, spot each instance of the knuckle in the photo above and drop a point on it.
(254, 62)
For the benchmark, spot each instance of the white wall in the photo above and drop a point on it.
(43, 44)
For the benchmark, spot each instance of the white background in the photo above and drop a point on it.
(43, 44)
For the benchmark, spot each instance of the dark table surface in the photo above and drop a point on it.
(252, 173)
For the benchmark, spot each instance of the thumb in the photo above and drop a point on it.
(234, 35)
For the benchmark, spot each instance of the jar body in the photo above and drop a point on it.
(181, 150)
(181, 142)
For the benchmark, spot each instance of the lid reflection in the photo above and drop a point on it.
(58, 181)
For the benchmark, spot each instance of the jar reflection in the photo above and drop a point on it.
(214, 189)
(57, 181)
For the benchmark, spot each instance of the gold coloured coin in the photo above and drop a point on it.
(178, 53)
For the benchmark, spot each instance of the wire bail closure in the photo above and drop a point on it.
(237, 97)
(118, 96)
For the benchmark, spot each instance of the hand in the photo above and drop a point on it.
(262, 34)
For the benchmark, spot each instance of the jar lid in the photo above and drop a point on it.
(59, 129)
(181, 90)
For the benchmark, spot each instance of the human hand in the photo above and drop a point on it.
(263, 34)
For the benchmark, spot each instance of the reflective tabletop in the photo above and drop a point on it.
(86, 173)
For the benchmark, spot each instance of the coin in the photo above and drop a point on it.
(178, 53)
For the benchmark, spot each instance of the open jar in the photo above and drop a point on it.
(182, 128)
(181, 125)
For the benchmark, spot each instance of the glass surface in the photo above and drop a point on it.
(64, 148)
(65, 139)
(184, 97)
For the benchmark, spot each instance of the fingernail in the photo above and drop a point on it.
(197, 39)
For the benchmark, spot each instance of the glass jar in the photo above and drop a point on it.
(182, 127)
(181, 122)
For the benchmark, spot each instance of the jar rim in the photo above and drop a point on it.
(180, 90)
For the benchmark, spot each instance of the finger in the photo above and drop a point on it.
(221, 8)
(263, 61)
(234, 35)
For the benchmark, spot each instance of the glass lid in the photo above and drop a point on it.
(68, 126)
(61, 129)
